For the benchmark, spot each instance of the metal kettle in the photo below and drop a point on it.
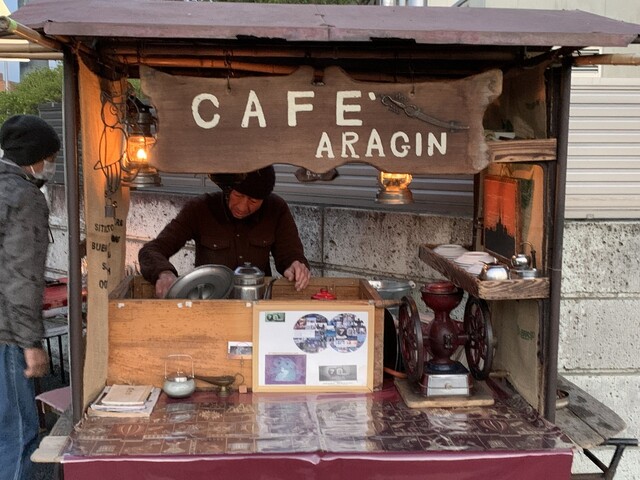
(179, 384)
(248, 282)
(522, 261)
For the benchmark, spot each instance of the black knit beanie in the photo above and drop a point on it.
(257, 184)
(27, 139)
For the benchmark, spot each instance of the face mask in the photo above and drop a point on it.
(47, 172)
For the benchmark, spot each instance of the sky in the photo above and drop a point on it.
(13, 68)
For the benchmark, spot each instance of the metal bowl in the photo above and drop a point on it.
(392, 289)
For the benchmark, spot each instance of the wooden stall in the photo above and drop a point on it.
(413, 90)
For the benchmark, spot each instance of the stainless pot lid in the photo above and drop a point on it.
(206, 282)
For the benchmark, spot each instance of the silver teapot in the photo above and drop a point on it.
(248, 282)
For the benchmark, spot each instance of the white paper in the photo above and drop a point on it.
(314, 348)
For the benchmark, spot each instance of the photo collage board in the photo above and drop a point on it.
(322, 347)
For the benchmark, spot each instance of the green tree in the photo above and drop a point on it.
(40, 86)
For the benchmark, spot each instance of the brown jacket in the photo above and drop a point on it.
(223, 240)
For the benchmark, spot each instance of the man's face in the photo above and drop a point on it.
(38, 167)
(241, 205)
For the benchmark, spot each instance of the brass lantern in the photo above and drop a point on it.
(394, 188)
(141, 129)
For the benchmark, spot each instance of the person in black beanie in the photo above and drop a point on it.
(246, 222)
(27, 140)
(29, 147)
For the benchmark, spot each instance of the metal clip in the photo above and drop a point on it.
(397, 104)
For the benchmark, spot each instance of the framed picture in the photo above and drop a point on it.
(501, 211)
(320, 346)
(530, 183)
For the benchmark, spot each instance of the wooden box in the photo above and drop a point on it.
(143, 331)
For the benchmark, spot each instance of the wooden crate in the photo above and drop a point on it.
(143, 330)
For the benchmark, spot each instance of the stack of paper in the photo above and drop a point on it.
(125, 401)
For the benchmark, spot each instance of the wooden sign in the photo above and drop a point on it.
(221, 125)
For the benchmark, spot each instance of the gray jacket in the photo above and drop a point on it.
(24, 223)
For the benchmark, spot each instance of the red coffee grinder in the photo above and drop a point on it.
(427, 347)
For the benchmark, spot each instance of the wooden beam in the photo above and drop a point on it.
(536, 150)
(8, 25)
(608, 59)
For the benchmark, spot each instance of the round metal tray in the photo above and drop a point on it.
(207, 282)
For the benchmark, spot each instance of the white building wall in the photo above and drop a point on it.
(603, 175)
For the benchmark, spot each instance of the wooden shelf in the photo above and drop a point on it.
(532, 288)
(539, 150)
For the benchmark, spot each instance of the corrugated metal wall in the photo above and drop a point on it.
(603, 178)
(355, 186)
(52, 113)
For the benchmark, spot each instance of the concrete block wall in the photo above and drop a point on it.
(600, 324)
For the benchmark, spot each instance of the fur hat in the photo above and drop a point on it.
(257, 184)
(27, 139)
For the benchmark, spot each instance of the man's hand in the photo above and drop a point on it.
(164, 282)
(37, 362)
(299, 272)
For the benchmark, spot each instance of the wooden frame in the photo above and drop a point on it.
(293, 349)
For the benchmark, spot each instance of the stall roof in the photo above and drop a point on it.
(162, 19)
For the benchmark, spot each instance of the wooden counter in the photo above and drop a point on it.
(315, 436)
(144, 330)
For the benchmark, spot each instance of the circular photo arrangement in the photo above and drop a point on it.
(346, 333)
(309, 333)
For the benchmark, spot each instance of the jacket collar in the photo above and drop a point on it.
(7, 166)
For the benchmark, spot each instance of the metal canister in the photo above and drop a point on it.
(248, 282)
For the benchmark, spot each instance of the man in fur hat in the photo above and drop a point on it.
(244, 223)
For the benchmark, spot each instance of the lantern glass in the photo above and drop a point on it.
(394, 188)
(136, 169)
(395, 182)
(138, 150)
